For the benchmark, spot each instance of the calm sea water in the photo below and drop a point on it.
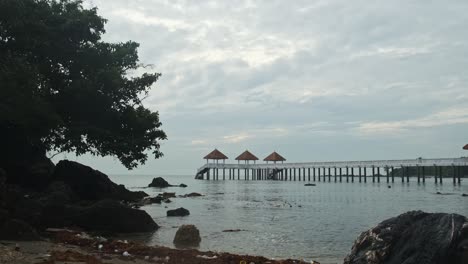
(288, 219)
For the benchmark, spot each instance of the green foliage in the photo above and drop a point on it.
(64, 88)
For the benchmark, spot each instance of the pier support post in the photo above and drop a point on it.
(378, 174)
(224, 174)
(373, 174)
(294, 174)
(423, 174)
(436, 170)
(341, 174)
(329, 174)
(454, 174)
(352, 174)
(360, 173)
(387, 174)
(335, 174)
(365, 174)
(418, 173)
(303, 174)
(393, 174)
(309, 173)
(407, 174)
(313, 174)
(347, 174)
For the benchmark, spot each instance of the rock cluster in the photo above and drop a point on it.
(414, 238)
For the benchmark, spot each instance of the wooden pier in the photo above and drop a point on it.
(339, 171)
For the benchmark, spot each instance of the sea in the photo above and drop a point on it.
(281, 220)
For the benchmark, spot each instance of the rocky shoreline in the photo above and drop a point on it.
(62, 246)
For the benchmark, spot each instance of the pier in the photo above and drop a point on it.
(333, 171)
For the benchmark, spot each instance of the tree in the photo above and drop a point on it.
(63, 89)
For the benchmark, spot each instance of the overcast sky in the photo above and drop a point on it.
(313, 80)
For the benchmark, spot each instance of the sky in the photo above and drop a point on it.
(313, 80)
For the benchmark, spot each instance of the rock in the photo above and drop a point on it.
(187, 236)
(183, 185)
(3, 179)
(159, 183)
(465, 195)
(309, 184)
(92, 185)
(14, 229)
(413, 238)
(112, 216)
(178, 212)
(167, 195)
(194, 194)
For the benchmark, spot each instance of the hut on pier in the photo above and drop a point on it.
(247, 157)
(465, 147)
(216, 155)
(274, 157)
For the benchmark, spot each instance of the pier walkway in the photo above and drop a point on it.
(338, 170)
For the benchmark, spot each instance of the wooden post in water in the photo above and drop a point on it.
(460, 172)
(440, 174)
(309, 173)
(303, 174)
(387, 174)
(224, 174)
(393, 174)
(335, 174)
(418, 172)
(329, 174)
(352, 174)
(454, 174)
(423, 174)
(378, 174)
(360, 174)
(365, 174)
(341, 174)
(407, 174)
(313, 173)
(373, 173)
(294, 174)
(347, 174)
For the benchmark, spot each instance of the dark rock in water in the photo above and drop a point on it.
(310, 184)
(413, 238)
(159, 183)
(464, 195)
(233, 230)
(178, 212)
(194, 194)
(183, 185)
(167, 195)
(92, 185)
(14, 229)
(187, 236)
(112, 216)
(168, 201)
(438, 193)
(389, 186)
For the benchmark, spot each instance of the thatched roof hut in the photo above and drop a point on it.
(215, 155)
(274, 157)
(247, 156)
(465, 147)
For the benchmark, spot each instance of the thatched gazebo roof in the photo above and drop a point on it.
(465, 147)
(216, 155)
(246, 156)
(274, 157)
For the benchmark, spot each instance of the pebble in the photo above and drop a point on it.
(126, 254)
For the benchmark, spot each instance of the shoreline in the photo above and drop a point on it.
(64, 245)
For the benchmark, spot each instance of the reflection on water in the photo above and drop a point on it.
(288, 219)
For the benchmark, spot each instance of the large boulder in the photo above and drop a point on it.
(92, 185)
(112, 216)
(178, 212)
(14, 229)
(187, 236)
(2, 187)
(159, 182)
(413, 238)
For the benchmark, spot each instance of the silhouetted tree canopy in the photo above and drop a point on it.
(63, 88)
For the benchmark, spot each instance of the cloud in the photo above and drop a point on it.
(452, 116)
(281, 74)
